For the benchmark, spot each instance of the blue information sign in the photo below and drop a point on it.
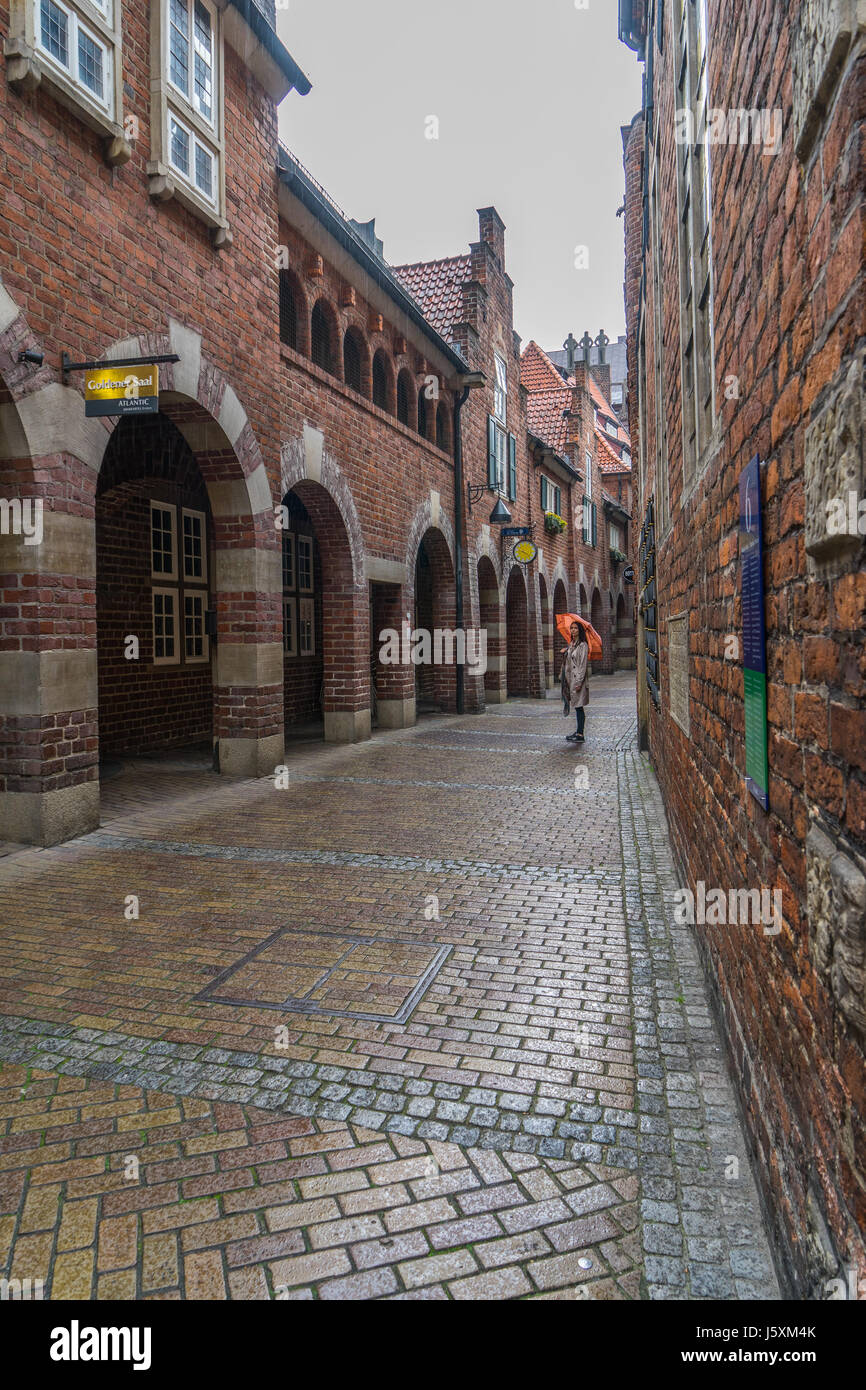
(754, 631)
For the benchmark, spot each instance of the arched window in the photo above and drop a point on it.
(402, 400)
(380, 381)
(322, 351)
(422, 412)
(441, 426)
(288, 312)
(351, 361)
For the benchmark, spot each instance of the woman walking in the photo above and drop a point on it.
(575, 685)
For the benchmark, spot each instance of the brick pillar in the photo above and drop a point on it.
(248, 656)
(395, 684)
(346, 648)
(492, 619)
(49, 760)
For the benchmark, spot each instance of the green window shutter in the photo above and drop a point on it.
(544, 506)
(491, 452)
(584, 516)
(512, 468)
(557, 501)
(594, 524)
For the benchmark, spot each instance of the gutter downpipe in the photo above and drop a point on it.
(459, 624)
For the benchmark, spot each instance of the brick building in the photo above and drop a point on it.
(572, 420)
(745, 312)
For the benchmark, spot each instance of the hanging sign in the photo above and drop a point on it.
(628, 574)
(754, 632)
(525, 552)
(122, 390)
(515, 530)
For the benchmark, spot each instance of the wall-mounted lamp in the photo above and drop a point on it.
(500, 516)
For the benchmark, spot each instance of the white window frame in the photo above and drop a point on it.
(290, 605)
(189, 96)
(196, 596)
(170, 102)
(696, 291)
(77, 19)
(588, 487)
(307, 614)
(305, 543)
(169, 507)
(500, 389)
(288, 536)
(202, 519)
(173, 594)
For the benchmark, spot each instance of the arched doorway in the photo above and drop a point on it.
(490, 614)
(326, 622)
(546, 633)
(560, 605)
(436, 678)
(154, 574)
(597, 621)
(517, 634)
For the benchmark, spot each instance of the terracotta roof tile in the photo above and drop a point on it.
(437, 286)
(545, 419)
(608, 460)
(537, 372)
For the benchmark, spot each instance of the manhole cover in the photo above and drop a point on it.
(342, 974)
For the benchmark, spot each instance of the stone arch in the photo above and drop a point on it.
(546, 630)
(490, 617)
(428, 517)
(517, 632)
(307, 459)
(560, 605)
(434, 591)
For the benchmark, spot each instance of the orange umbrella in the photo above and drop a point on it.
(564, 622)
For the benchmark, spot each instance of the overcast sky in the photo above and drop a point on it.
(530, 96)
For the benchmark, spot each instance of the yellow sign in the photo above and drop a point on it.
(524, 552)
(121, 391)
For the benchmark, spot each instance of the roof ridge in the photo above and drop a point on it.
(557, 379)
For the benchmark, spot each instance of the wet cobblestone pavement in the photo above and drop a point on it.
(417, 1025)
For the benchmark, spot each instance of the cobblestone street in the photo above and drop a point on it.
(417, 1025)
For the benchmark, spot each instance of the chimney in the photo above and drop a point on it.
(491, 229)
(601, 369)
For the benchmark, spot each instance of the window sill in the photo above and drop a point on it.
(25, 73)
(164, 185)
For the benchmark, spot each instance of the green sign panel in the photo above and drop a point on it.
(754, 632)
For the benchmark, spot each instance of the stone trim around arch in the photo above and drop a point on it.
(307, 459)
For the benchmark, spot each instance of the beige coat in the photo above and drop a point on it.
(576, 661)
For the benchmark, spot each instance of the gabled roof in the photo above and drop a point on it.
(546, 420)
(437, 287)
(608, 460)
(537, 372)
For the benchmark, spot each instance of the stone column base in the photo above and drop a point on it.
(495, 697)
(347, 726)
(49, 818)
(396, 714)
(250, 757)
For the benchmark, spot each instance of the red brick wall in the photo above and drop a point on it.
(789, 309)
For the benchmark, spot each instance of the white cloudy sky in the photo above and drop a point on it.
(530, 96)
